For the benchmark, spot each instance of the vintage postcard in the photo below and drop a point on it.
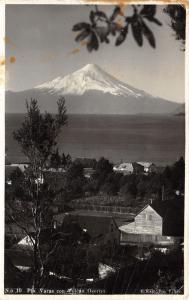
(94, 149)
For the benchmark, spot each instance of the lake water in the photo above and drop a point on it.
(159, 139)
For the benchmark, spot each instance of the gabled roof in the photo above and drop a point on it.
(95, 225)
(137, 165)
(124, 167)
(117, 219)
(158, 211)
(122, 221)
(145, 164)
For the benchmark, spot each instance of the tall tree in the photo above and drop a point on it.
(37, 138)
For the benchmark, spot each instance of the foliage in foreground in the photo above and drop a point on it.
(102, 27)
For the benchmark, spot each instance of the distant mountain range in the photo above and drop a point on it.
(91, 90)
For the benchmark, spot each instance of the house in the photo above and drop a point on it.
(100, 228)
(21, 166)
(150, 226)
(137, 168)
(15, 233)
(20, 246)
(149, 167)
(129, 168)
(27, 241)
(125, 168)
(55, 170)
(88, 172)
(152, 168)
(21, 252)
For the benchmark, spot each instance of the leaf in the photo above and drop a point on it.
(148, 34)
(96, 14)
(116, 12)
(93, 42)
(148, 10)
(102, 32)
(154, 20)
(81, 36)
(137, 32)
(101, 14)
(92, 17)
(81, 26)
(121, 38)
(113, 28)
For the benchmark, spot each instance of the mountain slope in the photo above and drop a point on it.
(91, 77)
(91, 90)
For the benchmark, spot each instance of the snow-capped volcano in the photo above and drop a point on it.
(91, 90)
(90, 77)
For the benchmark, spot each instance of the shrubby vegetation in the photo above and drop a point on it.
(130, 190)
(133, 188)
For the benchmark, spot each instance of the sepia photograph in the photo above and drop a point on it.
(94, 149)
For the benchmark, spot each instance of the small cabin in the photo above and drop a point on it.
(146, 228)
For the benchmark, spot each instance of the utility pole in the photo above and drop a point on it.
(162, 193)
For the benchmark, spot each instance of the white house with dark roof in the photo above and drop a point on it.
(147, 221)
(126, 168)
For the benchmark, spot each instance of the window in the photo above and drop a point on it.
(150, 217)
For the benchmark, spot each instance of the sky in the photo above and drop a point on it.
(40, 47)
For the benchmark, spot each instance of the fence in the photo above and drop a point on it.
(131, 238)
(102, 208)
